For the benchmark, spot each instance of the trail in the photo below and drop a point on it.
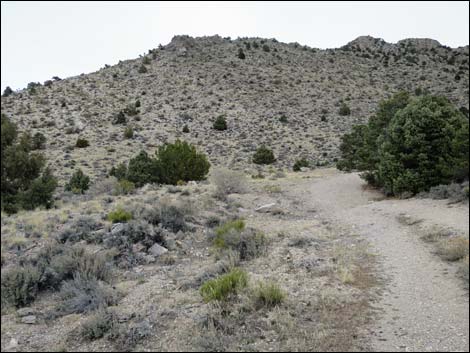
(424, 306)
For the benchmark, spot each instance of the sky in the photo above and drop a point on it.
(42, 39)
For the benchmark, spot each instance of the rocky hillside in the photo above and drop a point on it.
(286, 96)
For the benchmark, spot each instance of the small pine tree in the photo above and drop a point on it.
(241, 54)
(129, 132)
(79, 183)
(220, 123)
(82, 143)
(263, 155)
(120, 118)
(344, 109)
(39, 141)
(301, 163)
(7, 92)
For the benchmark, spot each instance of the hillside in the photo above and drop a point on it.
(191, 81)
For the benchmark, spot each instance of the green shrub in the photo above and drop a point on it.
(119, 216)
(249, 243)
(142, 69)
(146, 60)
(301, 163)
(129, 132)
(79, 182)
(20, 285)
(241, 54)
(238, 225)
(40, 192)
(266, 48)
(220, 123)
(180, 161)
(119, 172)
(344, 109)
(38, 142)
(24, 181)
(185, 129)
(409, 145)
(7, 92)
(142, 169)
(82, 143)
(173, 163)
(283, 119)
(224, 286)
(120, 118)
(263, 155)
(83, 295)
(268, 295)
(124, 187)
(99, 324)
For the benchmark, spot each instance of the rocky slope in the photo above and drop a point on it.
(191, 81)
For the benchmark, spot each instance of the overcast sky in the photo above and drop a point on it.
(45, 39)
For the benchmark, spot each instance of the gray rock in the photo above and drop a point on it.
(12, 345)
(29, 319)
(157, 250)
(25, 312)
(265, 208)
(117, 228)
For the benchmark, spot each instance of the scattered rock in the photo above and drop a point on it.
(12, 345)
(265, 208)
(29, 319)
(117, 228)
(25, 312)
(157, 250)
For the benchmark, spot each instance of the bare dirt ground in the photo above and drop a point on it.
(424, 306)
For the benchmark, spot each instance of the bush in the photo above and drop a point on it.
(83, 295)
(172, 216)
(24, 181)
(344, 110)
(82, 143)
(228, 182)
(268, 295)
(40, 192)
(409, 145)
(39, 141)
(266, 48)
(7, 92)
(119, 216)
(124, 187)
(129, 132)
(20, 285)
(185, 129)
(142, 69)
(141, 170)
(98, 325)
(79, 182)
(220, 123)
(263, 155)
(249, 243)
(241, 54)
(119, 172)
(173, 163)
(301, 163)
(180, 162)
(222, 287)
(453, 249)
(283, 119)
(120, 118)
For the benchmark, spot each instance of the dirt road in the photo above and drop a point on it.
(424, 306)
